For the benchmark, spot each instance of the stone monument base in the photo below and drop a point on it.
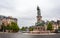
(39, 32)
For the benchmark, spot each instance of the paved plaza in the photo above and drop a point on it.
(20, 35)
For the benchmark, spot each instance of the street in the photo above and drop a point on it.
(20, 35)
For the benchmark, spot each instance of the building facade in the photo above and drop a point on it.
(6, 21)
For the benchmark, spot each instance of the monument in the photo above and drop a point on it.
(40, 24)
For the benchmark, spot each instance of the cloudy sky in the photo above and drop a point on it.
(25, 10)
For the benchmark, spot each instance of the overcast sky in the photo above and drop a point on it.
(25, 10)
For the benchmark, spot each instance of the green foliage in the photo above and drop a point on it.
(14, 27)
(23, 28)
(31, 28)
(3, 27)
(8, 27)
(59, 28)
(49, 26)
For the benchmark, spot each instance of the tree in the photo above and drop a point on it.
(31, 28)
(14, 27)
(59, 28)
(49, 26)
(3, 27)
(8, 27)
(23, 28)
